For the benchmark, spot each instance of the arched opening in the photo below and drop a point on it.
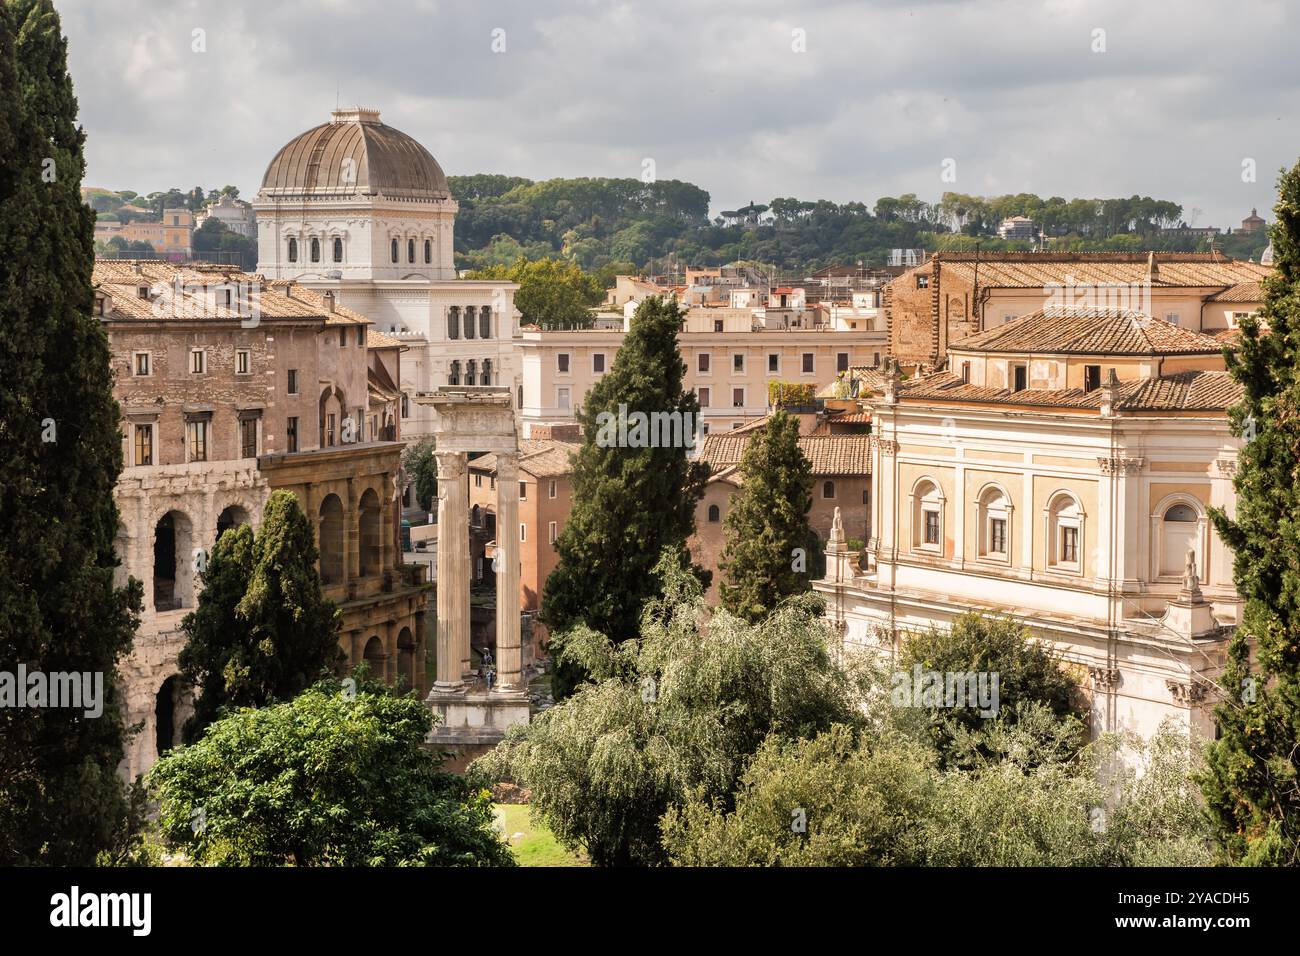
(1179, 528)
(476, 517)
(428, 252)
(338, 250)
(715, 514)
(293, 250)
(333, 409)
(173, 577)
(374, 656)
(927, 515)
(995, 523)
(471, 370)
(372, 549)
(484, 323)
(453, 373)
(406, 657)
(331, 540)
(487, 371)
(166, 714)
(410, 251)
(231, 517)
(453, 322)
(315, 250)
(393, 251)
(469, 321)
(828, 489)
(1065, 533)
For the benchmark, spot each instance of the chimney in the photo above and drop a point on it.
(329, 301)
(288, 289)
(1153, 270)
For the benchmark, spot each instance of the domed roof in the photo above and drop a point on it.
(354, 154)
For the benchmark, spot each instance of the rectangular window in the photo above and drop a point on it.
(737, 398)
(598, 362)
(243, 361)
(1070, 545)
(197, 435)
(842, 361)
(704, 397)
(965, 372)
(291, 434)
(702, 363)
(1019, 376)
(144, 444)
(293, 381)
(343, 338)
(198, 361)
(141, 363)
(248, 437)
(922, 282)
(562, 398)
(998, 535)
(361, 335)
(738, 362)
(1091, 377)
(808, 361)
(329, 428)
(552, 532)
(562, 363)
(523, 532)
(478, 481)
(931, 527)
(523, 491)
(774, 362)
(550, 491)
(1171, 318)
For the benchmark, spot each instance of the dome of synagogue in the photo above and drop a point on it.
(354, 154)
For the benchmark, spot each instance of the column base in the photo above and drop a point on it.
(471, 717)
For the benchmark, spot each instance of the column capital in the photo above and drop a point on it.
(451, 464)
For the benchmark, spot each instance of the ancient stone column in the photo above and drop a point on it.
(453, 567)
(510, 678)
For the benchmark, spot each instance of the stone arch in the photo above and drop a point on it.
(331, 540)
(168, 714)
(173, 562)
(232, 516)
(370, 521)
(376, 657)
(1179, 523)
(332, 402)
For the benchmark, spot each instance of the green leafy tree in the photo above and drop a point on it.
(422, 469)
(338, 776)
(683, 709)
(1252, 786)
(630, 500)
(1026, 670)
(765, 558)
(61, 801)
(284, 631)
(552, 294)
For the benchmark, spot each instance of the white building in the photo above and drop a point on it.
(235, 214)
(356, 207)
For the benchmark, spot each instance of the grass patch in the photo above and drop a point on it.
(535, 845)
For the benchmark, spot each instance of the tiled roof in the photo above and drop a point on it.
(539, 457)
(870, 378)
(1184, 391)
(828, 454)
(1089, 332)
(1241, 292)
(122, 279)
(381, 340)
(1036, 270)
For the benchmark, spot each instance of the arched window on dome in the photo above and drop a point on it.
(315, 250)
(293, 250)
(338, 250)
(410, 251)
(469, 321)
(453, 322)
(393, 251)
(428, 252)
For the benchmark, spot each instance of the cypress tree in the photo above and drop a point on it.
(61, 800)
(630, 499)
(270, 639)
(766, 557)
(1250, 784)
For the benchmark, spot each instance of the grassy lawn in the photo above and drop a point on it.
(534, 845)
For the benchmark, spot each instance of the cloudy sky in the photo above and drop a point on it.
(749, 99)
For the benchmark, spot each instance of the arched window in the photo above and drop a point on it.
(484, 323)
(1179, 533)
(338, 250)
(173, 562)
(331, 540)
(293, 250)
(372, 547)
(487, 372)
(927, 516)
(994, 524)
(453, 322)
(1065, 533)
(315, 250)
(470, 368)
(453, 375)
(715, 514)
(428, 252)
(410, 250)
(828, 489)
(406, 405)
(392, 250)
(469, 321)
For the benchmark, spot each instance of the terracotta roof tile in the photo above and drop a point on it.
(1185, 391)
(1075, 331)
(828, 454)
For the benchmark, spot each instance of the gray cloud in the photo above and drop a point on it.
(714, 93)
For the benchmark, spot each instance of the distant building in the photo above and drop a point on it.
(1018, 227)
(172, 237)
(1252, 223)
(235, 214)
